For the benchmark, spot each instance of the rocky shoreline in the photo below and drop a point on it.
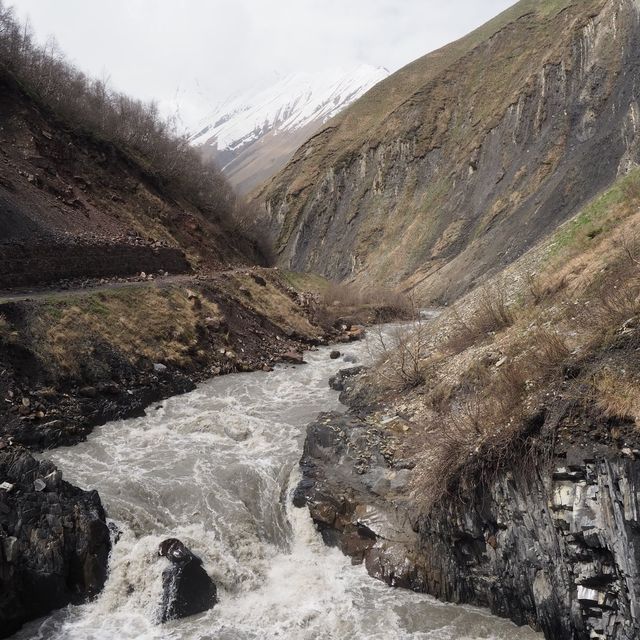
(237, 327)
(54, 540)
(555, 546)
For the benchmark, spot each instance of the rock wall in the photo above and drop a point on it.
(477, 165)
(25, 265)
(54, 542)
(554, 547)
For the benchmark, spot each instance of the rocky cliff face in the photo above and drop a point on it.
(461, 161)
(556, 546)
(54, 542)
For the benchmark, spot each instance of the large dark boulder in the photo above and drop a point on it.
(54, 542)
(338, 381)
(187, 588)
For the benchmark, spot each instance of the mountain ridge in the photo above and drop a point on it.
(457, 151)
(253, 134)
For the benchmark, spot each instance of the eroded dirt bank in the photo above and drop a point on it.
(72, 361)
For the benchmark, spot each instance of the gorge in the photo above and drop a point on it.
(456, 253)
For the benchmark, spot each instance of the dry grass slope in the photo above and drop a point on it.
(506, 369)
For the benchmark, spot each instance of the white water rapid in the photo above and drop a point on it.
(215, 468)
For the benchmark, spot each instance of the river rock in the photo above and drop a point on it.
(334, 355)
(187, 588)
(337, 382)
(54, 541)
(293, 357)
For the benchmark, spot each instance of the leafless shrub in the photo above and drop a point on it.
(477, 439)
(402, 355)
(489, 314)
(549, 351)
(484, 426)
(135, 127)
(345, 303)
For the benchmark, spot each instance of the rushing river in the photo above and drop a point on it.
(215, 468)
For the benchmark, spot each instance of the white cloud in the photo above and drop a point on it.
(196, 50)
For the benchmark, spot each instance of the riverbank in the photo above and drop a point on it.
(215, 468)
(72, 360)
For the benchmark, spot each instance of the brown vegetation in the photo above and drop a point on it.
(136, 128)
(618, 394)
(402, 356)
(348, 304)
(489, 313)
(491, 380)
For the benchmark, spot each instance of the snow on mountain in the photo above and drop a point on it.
(291, 104)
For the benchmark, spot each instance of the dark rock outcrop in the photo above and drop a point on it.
(337, 382)
(186, 586)
(54, 542)
(556, 547)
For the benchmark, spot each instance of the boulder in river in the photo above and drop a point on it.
(54, 541)
(337, 382)
(187, 588)
(334, 355)
(293, 357)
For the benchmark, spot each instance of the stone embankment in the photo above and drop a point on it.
(49, 261)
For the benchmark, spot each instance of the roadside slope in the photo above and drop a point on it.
(72, 360)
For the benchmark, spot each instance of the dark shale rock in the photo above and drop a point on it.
(557, 547)
(337, 382)
(187, 588)
(54, 542)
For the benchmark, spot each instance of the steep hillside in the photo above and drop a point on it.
(462, 160)
(73, 204)
(492, 456)
(255, 134)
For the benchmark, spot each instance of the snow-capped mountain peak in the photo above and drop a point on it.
(291, 104)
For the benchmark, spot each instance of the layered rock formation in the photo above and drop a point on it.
(555, 546)
(461, 161)
(54, 542)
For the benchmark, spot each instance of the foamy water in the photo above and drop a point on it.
(215, 468)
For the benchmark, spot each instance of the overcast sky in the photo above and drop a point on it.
(198, 52)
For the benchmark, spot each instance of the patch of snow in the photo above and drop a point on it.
(291, 104)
